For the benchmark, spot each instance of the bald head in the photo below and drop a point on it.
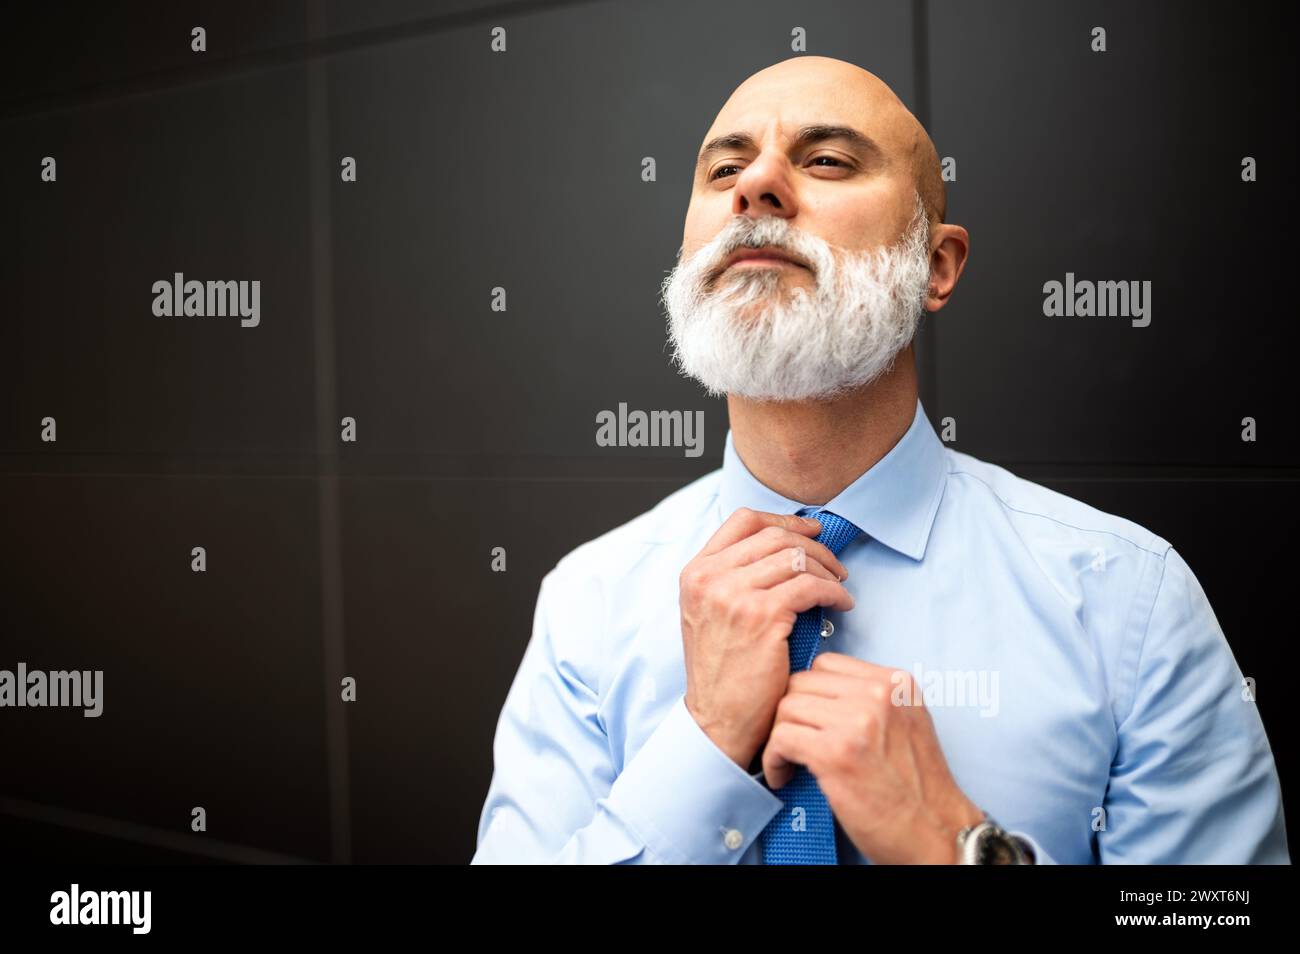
(821, 89)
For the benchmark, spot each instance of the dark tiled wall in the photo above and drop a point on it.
(372, 559)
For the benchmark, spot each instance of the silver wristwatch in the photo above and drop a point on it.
(988, 843)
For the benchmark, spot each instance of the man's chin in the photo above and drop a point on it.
(750, 314)
(766, 305)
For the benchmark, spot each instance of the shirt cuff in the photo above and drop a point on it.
(687, 799)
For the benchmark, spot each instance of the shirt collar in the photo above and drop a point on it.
(894, 501)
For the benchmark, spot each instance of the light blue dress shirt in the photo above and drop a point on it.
(1081, 688)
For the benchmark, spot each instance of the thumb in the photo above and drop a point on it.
(777, 769)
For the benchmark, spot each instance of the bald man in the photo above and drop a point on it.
(851, 644)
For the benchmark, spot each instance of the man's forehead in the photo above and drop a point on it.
(783, 101)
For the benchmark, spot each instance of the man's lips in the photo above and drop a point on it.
(761, 257)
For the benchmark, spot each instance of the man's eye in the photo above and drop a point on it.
(717, 173)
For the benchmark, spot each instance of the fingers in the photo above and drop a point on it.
(773, 539)
(781, 566)
(790, 744)
(823, 682)
(805, 591)
(849, 665)
(803, 708)
(745, 523)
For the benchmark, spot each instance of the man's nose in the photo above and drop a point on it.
(763, 188)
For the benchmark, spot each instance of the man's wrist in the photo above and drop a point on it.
(967, 817)
(937, 841)
(739, 752)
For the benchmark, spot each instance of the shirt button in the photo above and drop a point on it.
(733, 839)
(828, 628)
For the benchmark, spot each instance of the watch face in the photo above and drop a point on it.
(995, 848)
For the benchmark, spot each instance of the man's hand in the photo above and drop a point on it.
(739, 599)
(878, 763)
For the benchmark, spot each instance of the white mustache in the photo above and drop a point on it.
(770, 231)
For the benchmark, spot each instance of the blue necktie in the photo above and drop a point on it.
(803, 831)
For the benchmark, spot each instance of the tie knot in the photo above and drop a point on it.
(837, 533)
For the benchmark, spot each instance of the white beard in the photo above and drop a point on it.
(748, 336)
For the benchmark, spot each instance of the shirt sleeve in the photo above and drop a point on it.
(1193, 779)
(555, 796)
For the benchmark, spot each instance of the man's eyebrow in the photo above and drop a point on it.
(806, 136)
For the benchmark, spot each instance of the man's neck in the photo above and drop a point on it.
(809, 451)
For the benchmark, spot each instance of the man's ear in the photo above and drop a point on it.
(949, 246)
